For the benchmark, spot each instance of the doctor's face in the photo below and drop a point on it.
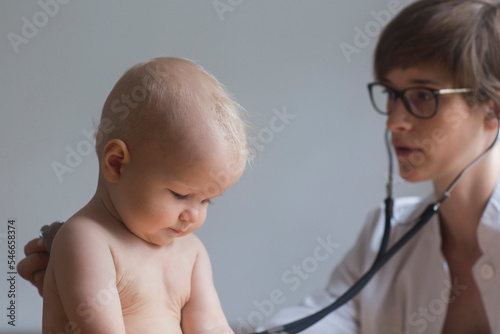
(436, 148)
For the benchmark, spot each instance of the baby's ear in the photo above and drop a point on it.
(115, 156)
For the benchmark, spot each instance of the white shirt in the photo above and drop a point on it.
(410, 294)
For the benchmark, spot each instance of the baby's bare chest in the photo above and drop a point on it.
(154, 285)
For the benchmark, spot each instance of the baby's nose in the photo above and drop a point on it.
(189, 215)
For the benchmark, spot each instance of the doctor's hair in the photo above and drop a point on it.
(462, 35)
(157, 99)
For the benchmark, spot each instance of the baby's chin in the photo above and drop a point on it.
(160, 242)
(156, 239)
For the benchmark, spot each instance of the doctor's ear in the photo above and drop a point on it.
(492, 114)
(493, 109)
(115, 157)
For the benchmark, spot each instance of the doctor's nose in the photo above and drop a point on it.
(399, 118)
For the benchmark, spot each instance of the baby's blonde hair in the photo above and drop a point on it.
(152, 98)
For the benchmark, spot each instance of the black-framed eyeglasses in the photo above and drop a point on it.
(421, 102)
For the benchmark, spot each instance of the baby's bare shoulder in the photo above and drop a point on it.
(81, 227)
(183, 251)
(81, 232)
(191, 242)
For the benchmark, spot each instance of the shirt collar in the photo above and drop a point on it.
(489, 225)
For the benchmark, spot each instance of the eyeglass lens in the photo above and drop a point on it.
(420, 101)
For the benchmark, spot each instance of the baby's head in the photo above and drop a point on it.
(170, 139)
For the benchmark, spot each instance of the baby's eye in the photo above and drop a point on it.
(178, 196)
(207, 201)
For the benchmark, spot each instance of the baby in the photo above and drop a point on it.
(170, 140)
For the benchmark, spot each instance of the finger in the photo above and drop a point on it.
(28, 266)
(34, 246)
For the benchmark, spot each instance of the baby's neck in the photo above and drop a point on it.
(102, 203)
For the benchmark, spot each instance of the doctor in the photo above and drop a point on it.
(437, 81)
(437, 71)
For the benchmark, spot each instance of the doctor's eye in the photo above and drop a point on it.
(423, 95)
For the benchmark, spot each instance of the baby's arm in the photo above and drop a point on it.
(85, 281)
(203, 313)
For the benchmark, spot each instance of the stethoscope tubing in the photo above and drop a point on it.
(383, 255)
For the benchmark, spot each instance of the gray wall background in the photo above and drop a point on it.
(316, 176)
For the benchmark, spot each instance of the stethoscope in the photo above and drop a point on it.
(383, 255)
